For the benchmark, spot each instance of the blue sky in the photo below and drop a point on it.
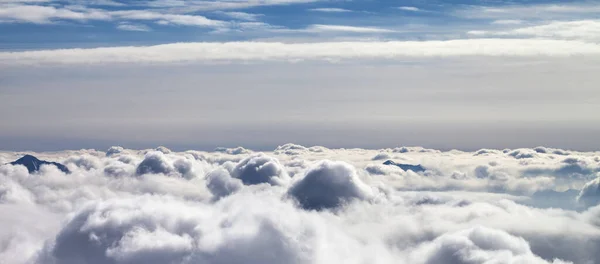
(202, 74)
(40, 24)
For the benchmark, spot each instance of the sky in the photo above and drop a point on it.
(370, 74)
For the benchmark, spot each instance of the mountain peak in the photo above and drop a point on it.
(33, 164)
(405, 167)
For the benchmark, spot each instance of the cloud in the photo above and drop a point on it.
(590, 194)
(167, 19)
(46, 14)
(535, 11)
(241, 15)
(268, 51)
(476, 245)
(194, 6)
(330, 10)
(114, 150)
(290, 149)
(133, 27)
(234, 151)
(470, 208)
(329, 185)
(260, 168)
(382, 156)
(522, 154)
(507, 22)
(164, 150)
(154, 162)
(128, 231)
(341, 28)
(588, 30)
(86, 162)
(409, 8)
(221, 184)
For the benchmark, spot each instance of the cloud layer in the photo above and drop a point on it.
(159, 206)
(261, 51)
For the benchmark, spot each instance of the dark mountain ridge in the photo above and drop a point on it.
(405, 167)
(33, 164)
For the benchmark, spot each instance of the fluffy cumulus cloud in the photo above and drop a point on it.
(590, 194)
(329, 185)
(154, 162)
(221, 184)
(300, 204)
(260, 168)
(477, 245)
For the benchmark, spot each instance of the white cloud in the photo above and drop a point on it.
(182, 6)
(49, 14)
(340, 28)
(590, 194)
(476, 245)
(114, 150)
(133, 27)
(330, 10)
(46, 14)
(241, 15)
(234, 151)
(536, 11)
(248, 51)
(221, 184)
(260, 168)
(582, 29)
(329, 185)
(98, 3)
(90, 217)
(507, 22)
(154, 162)
(167, 19)
(586, 30)
(409, 8)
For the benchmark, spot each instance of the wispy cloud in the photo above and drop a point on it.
(579, 30)
(330, 10)
(341, 28)
(409, 8)
(241, 15)
(133, 27)
(47, 14)
(168, 19)
(507, 22)
(537, 11)
(193, 6)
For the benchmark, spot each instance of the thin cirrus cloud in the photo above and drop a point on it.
(193, 6)
(535, 11)
(133, 27)
(243, 51)
(241, 15)
(409, 8)
(330, 10)
(49, 14)
(507, 22)
(586, 30)
(177, 19)
(341, 28)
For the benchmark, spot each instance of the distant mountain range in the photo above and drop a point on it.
(405, 167)
(33, 164)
